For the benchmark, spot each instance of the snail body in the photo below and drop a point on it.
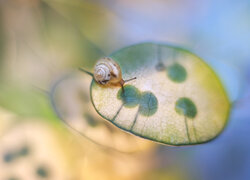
(108, 72)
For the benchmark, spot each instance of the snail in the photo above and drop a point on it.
(107, 72)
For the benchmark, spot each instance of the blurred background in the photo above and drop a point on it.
(43, 42)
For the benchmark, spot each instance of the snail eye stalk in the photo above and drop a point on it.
(129, 79)
(87, 72)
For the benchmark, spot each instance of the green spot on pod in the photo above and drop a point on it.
(9, 157)
(13, 178)
(148, 104)
(177, 73)
(24, 151)
(130, 96)
(186, 107)
(42, 172)
(91, 120)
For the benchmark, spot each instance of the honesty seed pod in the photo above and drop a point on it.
(177, 99)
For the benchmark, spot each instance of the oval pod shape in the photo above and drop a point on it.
(181, 103)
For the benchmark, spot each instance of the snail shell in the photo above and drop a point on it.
(107, 72)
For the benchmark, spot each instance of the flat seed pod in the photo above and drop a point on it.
(177, 99)
(35, 150)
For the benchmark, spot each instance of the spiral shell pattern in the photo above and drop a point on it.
(107, 71)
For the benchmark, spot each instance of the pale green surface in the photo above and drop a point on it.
(26, 102)
(151, 112)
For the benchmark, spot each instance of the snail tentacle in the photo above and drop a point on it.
(87, 72)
